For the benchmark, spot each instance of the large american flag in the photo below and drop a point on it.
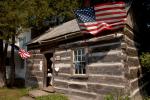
(107, 16)
(23, 54)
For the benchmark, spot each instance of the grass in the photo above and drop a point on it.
(53, 97)
(12, 93)
(17, 93)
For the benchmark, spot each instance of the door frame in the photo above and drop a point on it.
(45, 69)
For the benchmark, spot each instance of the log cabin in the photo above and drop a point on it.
(86, 65)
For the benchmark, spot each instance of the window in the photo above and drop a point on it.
(79, 61)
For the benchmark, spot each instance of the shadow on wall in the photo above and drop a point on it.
(139, 14)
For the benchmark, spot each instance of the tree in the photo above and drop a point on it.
(28, 13)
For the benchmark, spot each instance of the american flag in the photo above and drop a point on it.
(23, 54)
(107, 16)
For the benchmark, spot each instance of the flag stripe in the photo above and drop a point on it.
(109, 9)
(100, 26)
(108, 5)
(24, 54)
(105, 19)
(111, 16)
(110, 13)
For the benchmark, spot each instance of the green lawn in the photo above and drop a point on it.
(16, 94)
(12, 94)
(53, 97)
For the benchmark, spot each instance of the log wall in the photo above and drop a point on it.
(104, 68)
(34, 70)
(112, 67)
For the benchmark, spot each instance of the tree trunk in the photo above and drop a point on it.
(2, 76)
(12, 73)
(4, 60)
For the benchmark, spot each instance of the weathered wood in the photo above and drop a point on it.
(105, 68)
(105, 47)
(110, 56)
(88, 95)
(135, 72)
(106, 79)
(94, 41)
(60, 83)
(133, 52)
(66, 70)
(35, 73)
(106, 89)
(78, 85)
(133, 61)
(135, 83)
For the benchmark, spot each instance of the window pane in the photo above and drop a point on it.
(79, 52)
(79, 60)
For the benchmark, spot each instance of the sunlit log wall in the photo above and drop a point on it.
(112, 67)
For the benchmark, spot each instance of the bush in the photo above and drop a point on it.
(145, 61)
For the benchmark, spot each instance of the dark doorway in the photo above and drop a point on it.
(49, 69)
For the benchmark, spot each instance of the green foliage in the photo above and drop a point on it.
(53, 97)
(145, 61)
(37, 13)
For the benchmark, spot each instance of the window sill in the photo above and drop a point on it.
(82, 76)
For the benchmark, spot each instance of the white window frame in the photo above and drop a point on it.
(81, 60)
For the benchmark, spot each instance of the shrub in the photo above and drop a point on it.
(145, 61)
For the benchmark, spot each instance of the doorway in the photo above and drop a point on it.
(48, 70)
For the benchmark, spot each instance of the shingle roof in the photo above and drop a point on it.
(65, 28)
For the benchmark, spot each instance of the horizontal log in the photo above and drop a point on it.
(111, 56)
(134, 72)
(34, 73)
(133, 61)
(34, 67)
(106, 68)
(34, 61)
(62, 65)
(106, 79)
(94, 41)
(134, 84)
(75, 92)
(35, 51)
(133, 52)
(37, 56)
(58, 52)
(65, 54)
(62, 76)
(106, 89)
(60, 83)
(30, 83)
(35, 79)
(105, 47)
(66, 70)
(130, 42)
(68, 61)
(77, 85)
(128, 32)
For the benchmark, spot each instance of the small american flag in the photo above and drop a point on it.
(23, 54)
(107, 16)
